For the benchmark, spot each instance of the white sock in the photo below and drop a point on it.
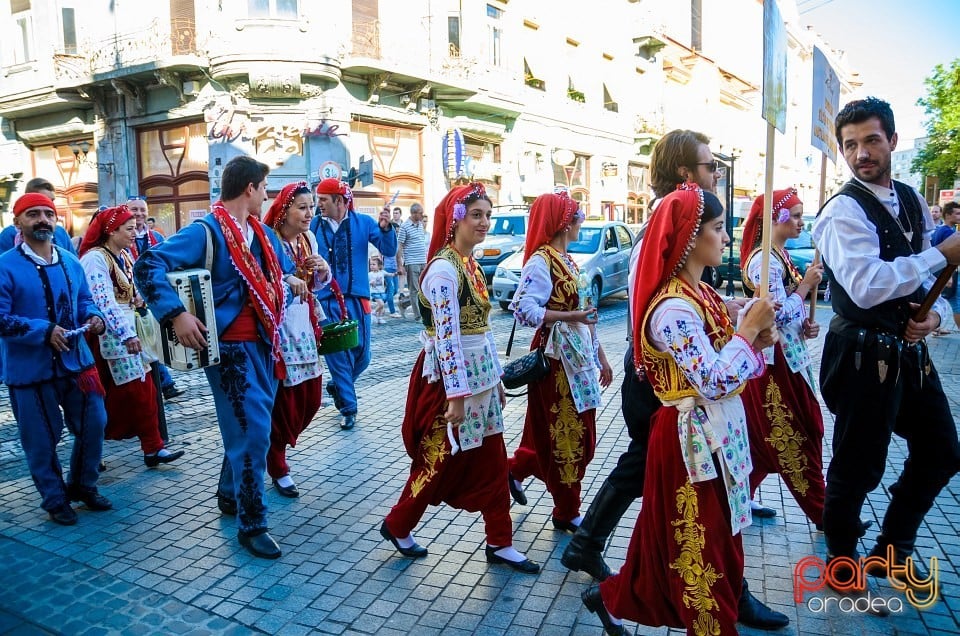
(517, 484)
(163, 452)
(406, 542)
(285, 482)
(510, 554)
(756, 505)
(576, 520)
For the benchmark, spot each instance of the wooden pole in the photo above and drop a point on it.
(921, 313)
(816, 252)
(767, 232)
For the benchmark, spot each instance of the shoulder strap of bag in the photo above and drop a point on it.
(208, 257)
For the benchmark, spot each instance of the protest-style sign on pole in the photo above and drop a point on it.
(826, 101)
(775, 113)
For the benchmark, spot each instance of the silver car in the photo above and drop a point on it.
(603, 253)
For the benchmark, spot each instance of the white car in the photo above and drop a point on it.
(603, 252)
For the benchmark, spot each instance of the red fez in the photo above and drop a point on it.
(32, 200)
(330, 186)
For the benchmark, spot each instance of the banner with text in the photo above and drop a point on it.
(826, 101)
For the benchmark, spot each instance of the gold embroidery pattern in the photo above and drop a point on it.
(698, 579)
(433, 449)
(567, 433)
(474, 309)
(785, 440)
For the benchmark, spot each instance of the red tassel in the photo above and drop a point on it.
(89, 382)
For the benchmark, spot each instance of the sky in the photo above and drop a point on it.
(893, 44)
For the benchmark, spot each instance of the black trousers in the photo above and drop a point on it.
(869, 405)
(639, 404)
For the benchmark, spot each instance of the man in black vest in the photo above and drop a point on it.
(876, 376)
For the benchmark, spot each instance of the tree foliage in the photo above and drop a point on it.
(941, 156)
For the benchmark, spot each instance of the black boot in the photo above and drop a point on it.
(753, 613)
(584, 553)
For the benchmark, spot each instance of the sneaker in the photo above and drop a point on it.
(396, 314)
(171, 391)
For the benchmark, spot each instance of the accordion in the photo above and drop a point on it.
(195, 290)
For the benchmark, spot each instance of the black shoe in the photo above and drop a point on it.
(864, 526)
(171, 391)
(348, 422)
(152, 461)
(763, 512)
(226, 504)
(516, 491)
(287, 491)
(580, 559)
(526, 566)
(842, 574)
(566, 526)
(63, 514)
(91, 499)
(414, 552)
(594, 603)
(918, 578)
(102, 467)
(335, 394)
(753, 613)
(260, 545)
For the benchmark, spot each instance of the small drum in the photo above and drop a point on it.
(195, 289)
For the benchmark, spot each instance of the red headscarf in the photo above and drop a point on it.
(335, 186)
(32, 200)
(549, 214)
(783, 200)
(667, 243)
(277, 212)
(105, 222)
(451, 209)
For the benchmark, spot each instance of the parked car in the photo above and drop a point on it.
(508, 231)
(603, 252)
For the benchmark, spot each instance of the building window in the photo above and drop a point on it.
(22, 31)
(494, 34)
(530, 79)
(453, 35)
(173, 162)
(573, 93)
(69, 30)
(608, 102)
(696, 25)
(277, 9)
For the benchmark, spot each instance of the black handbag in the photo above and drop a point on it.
(532, 367)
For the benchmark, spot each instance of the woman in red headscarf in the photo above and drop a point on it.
(559, 432)
(684, 564)
(453, 424)
(299, 396)
(131, 399)
(786, 426)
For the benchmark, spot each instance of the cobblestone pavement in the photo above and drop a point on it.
(166, 562)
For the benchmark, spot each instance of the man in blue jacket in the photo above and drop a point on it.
(10, 236)
(342, 238)
(45, 305)
(251, 278)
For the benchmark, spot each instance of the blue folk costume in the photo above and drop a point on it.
(345, 248)
(10, 238)
(245, 382)
(35, 298)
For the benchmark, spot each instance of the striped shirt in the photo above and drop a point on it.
(412, 237)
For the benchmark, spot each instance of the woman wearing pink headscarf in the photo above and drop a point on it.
(453, 423)
(131, 396)
(786, 426)
(299, 396)
(559, 432)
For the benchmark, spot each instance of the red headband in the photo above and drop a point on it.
(105, 222)
(670, 236)
(277, 212)
(783, 200)
(549, 214)
(335, 186)
(32, 200)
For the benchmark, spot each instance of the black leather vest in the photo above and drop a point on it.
(889, 316)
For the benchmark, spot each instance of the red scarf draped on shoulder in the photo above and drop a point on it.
(266, 288)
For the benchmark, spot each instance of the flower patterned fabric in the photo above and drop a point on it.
(712, 424)
(466, 363)
(789, 317)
